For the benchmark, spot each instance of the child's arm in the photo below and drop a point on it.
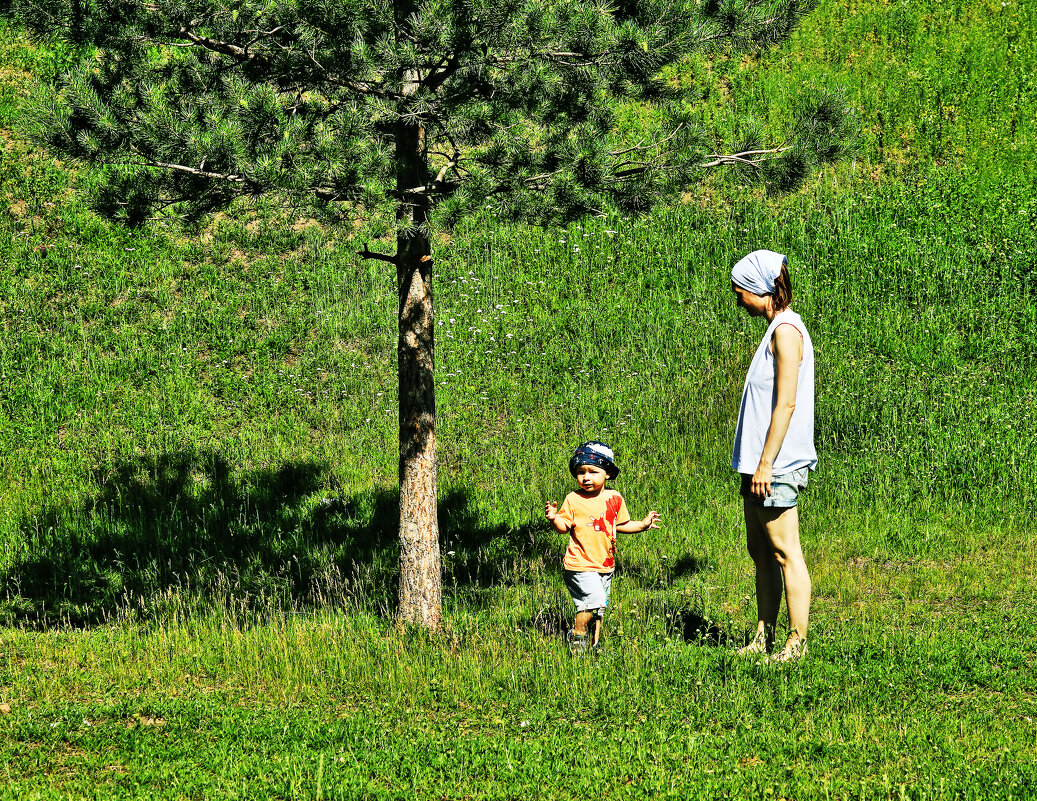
(551, 512)
(633, 526)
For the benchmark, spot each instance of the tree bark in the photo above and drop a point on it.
(421, 593)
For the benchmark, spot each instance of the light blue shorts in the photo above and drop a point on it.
(785, 489)
(589, 590)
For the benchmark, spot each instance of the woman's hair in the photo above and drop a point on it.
(782, 294)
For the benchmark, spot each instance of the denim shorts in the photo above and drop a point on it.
(784, 489)
(589, 590)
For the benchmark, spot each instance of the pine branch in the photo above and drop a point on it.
(200, 173)
(745, 157)
(640, 146)
(245, 56)
(439, 184)
(535, 57)
(367, 253)
(633, 168)
(327, 195)
(442, 72)
(224, 48)
(446, 168)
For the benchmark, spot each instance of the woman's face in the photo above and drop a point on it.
(756, 305)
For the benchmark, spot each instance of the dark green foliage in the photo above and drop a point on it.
(754, 24)
(825, 130)
(192, 104)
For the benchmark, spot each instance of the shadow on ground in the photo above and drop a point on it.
(664, 571)
(550, 622)
(693, 627)
(178, 526)
(690, 625)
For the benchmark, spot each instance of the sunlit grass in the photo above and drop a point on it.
(929, 699)
(198, 439)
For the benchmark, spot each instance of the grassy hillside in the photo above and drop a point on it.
(198, 463)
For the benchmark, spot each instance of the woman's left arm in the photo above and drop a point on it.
(788, 353)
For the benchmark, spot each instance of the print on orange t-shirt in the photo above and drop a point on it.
(592, 530)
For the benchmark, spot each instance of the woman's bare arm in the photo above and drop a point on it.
(788, 353)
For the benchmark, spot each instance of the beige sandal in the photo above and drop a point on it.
(791, 653)
(757, 645)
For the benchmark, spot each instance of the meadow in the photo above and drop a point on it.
(198, 466)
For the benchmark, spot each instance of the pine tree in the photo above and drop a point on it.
(424, 110)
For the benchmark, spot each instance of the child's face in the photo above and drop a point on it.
(590, 478)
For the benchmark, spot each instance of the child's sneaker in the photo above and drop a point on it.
(577, 643)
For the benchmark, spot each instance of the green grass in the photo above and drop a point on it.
(197, 556)
(933, 706)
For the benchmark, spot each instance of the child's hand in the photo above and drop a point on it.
(651, 520)
(551, 510)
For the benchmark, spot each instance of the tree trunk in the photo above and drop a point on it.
(421, 592)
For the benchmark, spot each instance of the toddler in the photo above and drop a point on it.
(591, 515)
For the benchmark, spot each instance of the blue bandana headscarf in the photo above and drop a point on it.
(758, 271)
(595, 453)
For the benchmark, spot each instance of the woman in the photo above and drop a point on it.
(774, 449)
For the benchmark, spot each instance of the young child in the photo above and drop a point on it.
(592, 515)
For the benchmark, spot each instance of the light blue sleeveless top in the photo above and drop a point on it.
(758, 399)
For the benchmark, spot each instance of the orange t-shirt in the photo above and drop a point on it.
(592, 530)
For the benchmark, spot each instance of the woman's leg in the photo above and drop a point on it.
(782, 531)
(768, 580)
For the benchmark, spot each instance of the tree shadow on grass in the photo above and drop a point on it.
(663, 570)
(550, 622)
(483, 557)
(654, 575)
(689, 622)
(482, 562)
(692, 626)
(187, 528)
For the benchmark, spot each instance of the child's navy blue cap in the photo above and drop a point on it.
(595, 453)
